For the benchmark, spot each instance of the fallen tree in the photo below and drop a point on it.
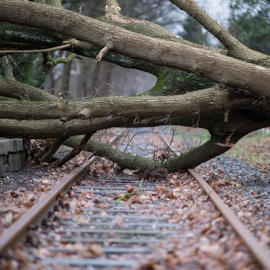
(228, 88)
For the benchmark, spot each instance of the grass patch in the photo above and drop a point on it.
(254, 149)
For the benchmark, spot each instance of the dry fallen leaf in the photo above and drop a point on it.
(151, 265)
(91, 251)
(13, 194)
(28, 204)
(129, 188)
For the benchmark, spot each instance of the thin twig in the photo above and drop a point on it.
(38, 51)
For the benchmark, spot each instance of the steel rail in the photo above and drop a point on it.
(251, 241)
(16, 231)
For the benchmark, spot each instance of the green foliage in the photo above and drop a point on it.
(123, 197)
(250, 23)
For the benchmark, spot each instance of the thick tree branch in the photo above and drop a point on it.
(223, 138)
(11, 88)
(247, 120)
(205, 100)
(43, 129)
(50, 149)
(75, 151)
(10, 34)
(217, 145)
(123, 160)
(19, 37)
(206, 63)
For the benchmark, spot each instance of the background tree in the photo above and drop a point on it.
(250, 23)
(193, 31)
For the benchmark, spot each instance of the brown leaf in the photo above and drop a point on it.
(129, 188)
(134, 199)
(13, 194)
(92, 251)
(205, 229)
(28, 204)
(95, 173)
(78, 211)
(96, 200)
(41, 188)
(222, 182)
(151, 265)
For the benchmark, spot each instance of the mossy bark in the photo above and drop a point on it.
(9, 87)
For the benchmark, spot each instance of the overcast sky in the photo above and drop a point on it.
(217, 9)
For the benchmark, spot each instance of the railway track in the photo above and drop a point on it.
(127, 223)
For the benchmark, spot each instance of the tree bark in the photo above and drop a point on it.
(206, 100)
(123, 160)
(216, 146)
(11, 88)
(75, 151)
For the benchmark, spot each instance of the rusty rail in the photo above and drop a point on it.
(15, 231)
(251, 242)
